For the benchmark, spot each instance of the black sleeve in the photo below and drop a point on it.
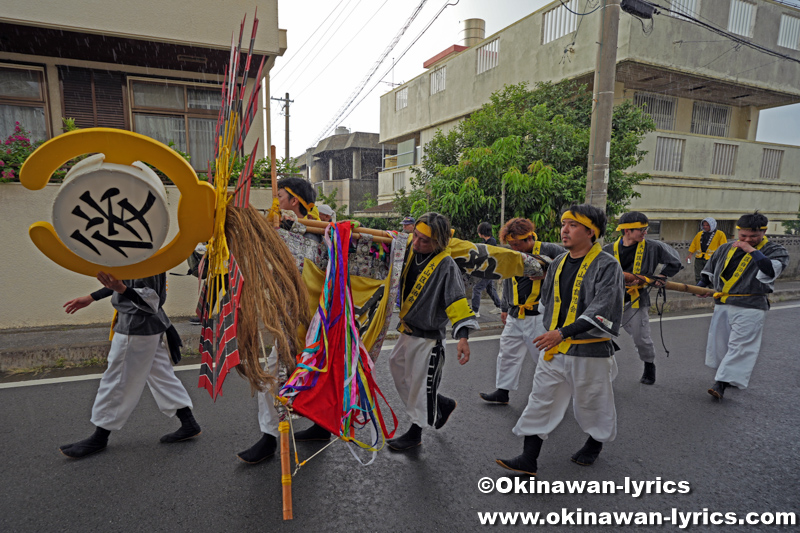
(763, 263)
(576, 328)
(702, 282)
(101, 293)
(462, 333)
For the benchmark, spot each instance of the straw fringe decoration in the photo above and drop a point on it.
(274, 294)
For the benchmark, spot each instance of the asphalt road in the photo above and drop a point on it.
(741, 455)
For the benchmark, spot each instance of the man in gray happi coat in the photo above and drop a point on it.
(743, 273)
(641, 257)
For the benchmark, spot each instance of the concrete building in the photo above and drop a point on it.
(347, 163)
(703, 91)
(151, 67)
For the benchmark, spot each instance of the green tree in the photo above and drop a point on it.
(330, 201)
(535, 141)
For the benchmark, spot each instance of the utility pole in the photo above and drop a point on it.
(603, 106)
(286, 103)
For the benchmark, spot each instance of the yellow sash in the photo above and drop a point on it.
(728, 284)
(422, 279)
(633, 290)
(533, 298)
(573, 304)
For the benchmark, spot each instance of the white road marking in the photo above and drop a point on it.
(51, 381)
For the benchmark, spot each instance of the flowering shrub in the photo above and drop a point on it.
(14, 151)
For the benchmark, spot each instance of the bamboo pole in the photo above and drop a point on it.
(274, 181)
(286, 473)
(360, 229)
(315, 229)
(683, 287)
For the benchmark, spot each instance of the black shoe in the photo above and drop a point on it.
(499, 396)
(315, 432)
(649, 376)
(587, 455)
(525, 463)
(446, 406)
(194, 321)
(718, 390)
(97, 442)
(188, 430)
(262, 449)
(410, 439)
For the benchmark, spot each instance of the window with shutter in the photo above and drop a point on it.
(93, 98)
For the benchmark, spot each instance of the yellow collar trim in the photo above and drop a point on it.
(581, 219)
(762, 227)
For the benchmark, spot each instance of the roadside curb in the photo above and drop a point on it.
(72, 351)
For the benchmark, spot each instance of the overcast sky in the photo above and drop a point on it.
(333, 44)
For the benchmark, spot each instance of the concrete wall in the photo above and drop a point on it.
(351, 193)
(196, 22)
(35, 288)
(696, 194)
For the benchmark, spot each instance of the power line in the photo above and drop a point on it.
(333, 34)
(372, 70)
(356, 34)
(401, 56)
(309, 38)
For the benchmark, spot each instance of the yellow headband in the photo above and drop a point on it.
(762, 227)
(310, 208)
(582, 219)
(522, 237)
(424, 229)
(632, 225)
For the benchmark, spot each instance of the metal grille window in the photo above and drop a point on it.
(661, 108)
(724, 161)
(185, 115)
(22, 99)
(669, 154)
(741, 17)
(438, 78)
(488, 55)
(771, 164)
(711, 119)
(789, 32)
(683, 7)
(401, 99)
(398, 180)
(559, 21)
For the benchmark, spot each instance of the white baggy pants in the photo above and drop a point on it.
(133, 361)
(734, 339)
(268, 417)
(637, 323)
(516, 341)
(587, 380)
(408, 364)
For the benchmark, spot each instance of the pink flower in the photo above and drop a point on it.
(8, 151)
(17, 127)
(2, 163)
(17, 123)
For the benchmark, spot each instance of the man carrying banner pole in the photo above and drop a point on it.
(432, 294)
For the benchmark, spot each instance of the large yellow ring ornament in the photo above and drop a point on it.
(195, 207)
